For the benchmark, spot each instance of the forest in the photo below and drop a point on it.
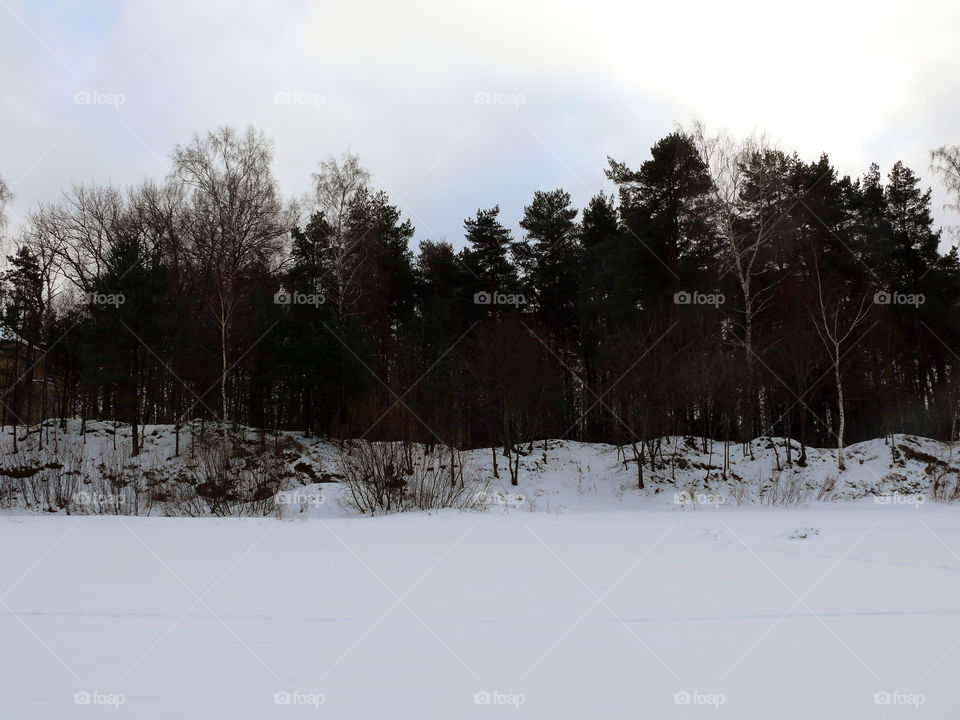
(719, 288)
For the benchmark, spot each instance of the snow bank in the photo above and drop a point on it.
(555, 476)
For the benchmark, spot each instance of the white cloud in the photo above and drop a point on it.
(862, 81)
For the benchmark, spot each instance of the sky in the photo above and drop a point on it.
(455, 106)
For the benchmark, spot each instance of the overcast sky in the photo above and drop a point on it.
(456, 106)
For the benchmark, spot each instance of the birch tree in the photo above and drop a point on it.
(746, 225)
(5, 197)
(945, 163)
(239, 220)
(836, 317)
(336, 185)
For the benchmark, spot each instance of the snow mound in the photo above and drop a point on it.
(87, 462)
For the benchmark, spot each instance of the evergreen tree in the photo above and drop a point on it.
(488, 255)
(549, 260)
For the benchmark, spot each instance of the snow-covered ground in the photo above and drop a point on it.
(842, 610)
(752, 594)
(555, 476)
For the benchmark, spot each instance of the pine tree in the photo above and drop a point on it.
(123, 342)
(914, 241)
(549, 260)
(22, 317)
(487, 257)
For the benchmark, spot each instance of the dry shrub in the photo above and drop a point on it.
(791, 492)
(826, 489)
(119, 484)
(224, 479)
(946, 486)
(384, 477)
(42, 479)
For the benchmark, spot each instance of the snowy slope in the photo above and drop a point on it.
(752, 596)
(555, 476)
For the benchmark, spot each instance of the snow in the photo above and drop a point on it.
(571, 594)
(555, 476)
(741, 612)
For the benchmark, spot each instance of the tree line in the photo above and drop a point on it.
(720, 288)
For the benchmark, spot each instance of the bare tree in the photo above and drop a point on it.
(160, 215)
(836, 317)
(336, 185)
(239, 219)
(163, 220)
(80, 229)
(745, 232)
(5, 197)
(945, 163)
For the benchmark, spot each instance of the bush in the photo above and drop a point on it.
(383, 477)
(42, 479)
(791, 491)
(225, 480)
(946, 486)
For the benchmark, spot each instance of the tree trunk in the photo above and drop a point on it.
(841, 465)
